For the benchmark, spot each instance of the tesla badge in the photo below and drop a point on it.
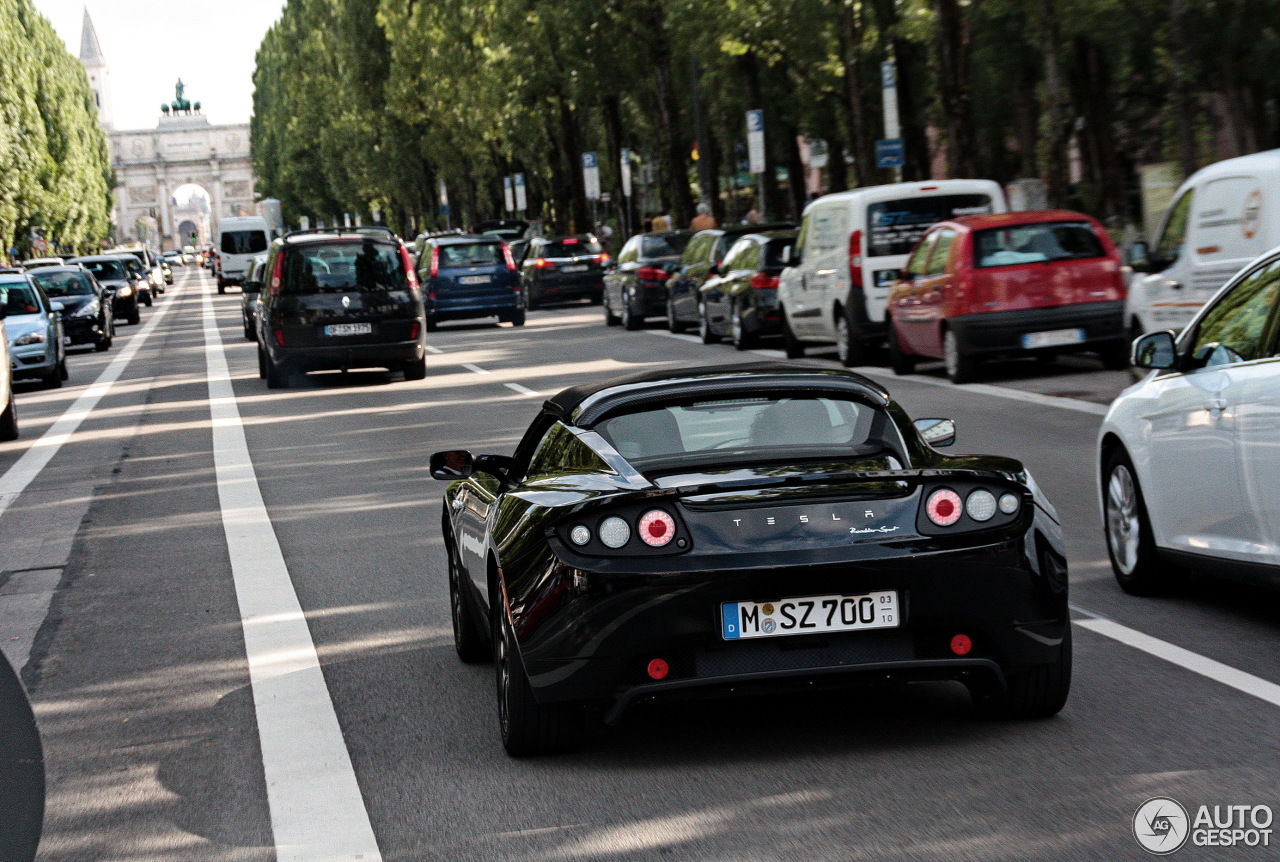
(346, 302)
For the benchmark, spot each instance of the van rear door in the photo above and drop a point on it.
(1226, 233)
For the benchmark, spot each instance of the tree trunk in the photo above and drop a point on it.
(1180, 74)
(796, 176)
(675, 156)
(953, 86)
(774, 202)
(1059, 129)
(861, 137)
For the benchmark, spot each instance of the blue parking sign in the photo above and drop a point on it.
(890, 153)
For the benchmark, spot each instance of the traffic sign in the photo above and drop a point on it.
(625, 163)
(508, 199)
(890, 153)
(591, 175)
(522, 200)
(755, 141)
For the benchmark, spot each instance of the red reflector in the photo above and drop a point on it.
(944, 507)
(573, 240)
(279, 336)
(658, 669)
(657, 528)
(961, 645)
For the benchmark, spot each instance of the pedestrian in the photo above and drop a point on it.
(646, 226)
(752, 216)
(662, 222)
(704, 220)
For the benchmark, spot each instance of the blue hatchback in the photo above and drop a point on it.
(466, 277)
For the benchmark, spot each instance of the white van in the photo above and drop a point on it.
(238, 240)
(1224, 216)
(850, 248)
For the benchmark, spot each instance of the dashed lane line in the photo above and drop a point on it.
(317, 812)
(24, 471)
(475, 368)
(523, 390)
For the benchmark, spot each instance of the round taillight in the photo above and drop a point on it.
(658, 669)
(944, 507)
(981, 505)
(579, 535)
(961, 644)
(614, 532)
(657, 528)
(1008, 503)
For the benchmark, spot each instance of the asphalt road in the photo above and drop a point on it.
(155, 750)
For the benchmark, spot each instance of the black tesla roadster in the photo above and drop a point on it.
(740, 530)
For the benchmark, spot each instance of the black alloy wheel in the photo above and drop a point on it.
(705, 332)
(1035, 692)
(528, 728)
(468, 641)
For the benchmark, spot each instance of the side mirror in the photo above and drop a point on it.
(56, 306)
(1155, 350)
(453, 464)
(1138, 257)
(937, 432)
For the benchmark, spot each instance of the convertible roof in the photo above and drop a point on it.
(587, 402)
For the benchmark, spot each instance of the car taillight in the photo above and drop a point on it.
(410, 275)
(855, 260)
(602, 259)
(511, 261)
(277, 270)
(764, 281)
(573, 240)
(944, 507)
(414, 331)
(651, 273)
(656, 528)
(435, 260)
(278, 334)
(543, 263)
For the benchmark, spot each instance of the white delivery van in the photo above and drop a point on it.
(850, 248)
(238, 240)
(1221, 218)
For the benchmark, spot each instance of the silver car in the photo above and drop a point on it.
(33, 325)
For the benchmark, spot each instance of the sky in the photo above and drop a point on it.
(149, 44)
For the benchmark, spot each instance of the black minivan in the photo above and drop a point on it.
(340, 298)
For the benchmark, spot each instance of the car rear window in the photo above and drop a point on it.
(1035, 243)
(106, 270)
(244, 242)
(896, 226)
(64, 283)
(571, 247)
(471, 254)
(753, 428)
(777, 252)
(344, 266)
(672, 245)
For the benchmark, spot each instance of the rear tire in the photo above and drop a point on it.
(674, 323)
(901, 363)
(53, 380)
(135, 316)
(262, 363)
(517, 317)
(610, 319)
(630, 320)
(277, 377)
(9, 420)
(793, 346)
(704, 326)
(961, 368)
(740, 336)
(849, 346)
(415, 369)
(222, 288)
(1034, 692)
(1131, 544)
(528, 728)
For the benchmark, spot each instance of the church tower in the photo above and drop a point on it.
(96, 66)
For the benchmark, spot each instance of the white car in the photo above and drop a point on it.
(1190, 464)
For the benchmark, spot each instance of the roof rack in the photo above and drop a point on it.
(338, 231)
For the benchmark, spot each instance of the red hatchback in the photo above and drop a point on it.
(1043, 283)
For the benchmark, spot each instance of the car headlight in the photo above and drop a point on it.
(36, 337)
(126, 291)
(89, 309)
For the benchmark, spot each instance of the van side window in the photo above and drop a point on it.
(828, 229)
(1169, 248)
(1234, 329)
(941, 252)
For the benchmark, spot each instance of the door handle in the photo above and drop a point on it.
(1217, 405)
(1176, 285)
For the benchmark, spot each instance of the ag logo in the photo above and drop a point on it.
(1161, 825)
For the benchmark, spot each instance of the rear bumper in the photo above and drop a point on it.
(1002, 331)
(567, 287)
(390, 356)
(461, 309)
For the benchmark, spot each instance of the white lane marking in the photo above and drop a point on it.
(24, 471)
(431, 348)
(317, 813)
(523, 390)
(476, 368)
(980, 388)
(1194, 662)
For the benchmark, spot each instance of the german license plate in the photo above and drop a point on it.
(1052, 338)
(348, 329)
(809, 615)
(473, 279)
(578, 268)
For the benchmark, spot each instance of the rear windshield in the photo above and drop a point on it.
(571, 247)
(664, 246)
(472, 254)
(342, 266)
(896, 226)
(64, 283)
(1035, 243)
(755, 428)
(17, 297)
(106, 270)
(777, 252)
(133, 264)
(244, 242)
